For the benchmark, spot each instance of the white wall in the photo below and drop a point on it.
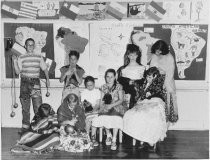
(193, 108)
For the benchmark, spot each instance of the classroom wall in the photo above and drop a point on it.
(192, 96)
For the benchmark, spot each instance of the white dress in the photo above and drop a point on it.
(146, 121)
(133, 72)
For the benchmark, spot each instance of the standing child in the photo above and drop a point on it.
(28, 66)
(131, 72)
(71, 75)
(91, 100)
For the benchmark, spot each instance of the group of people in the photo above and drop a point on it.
(152, 104)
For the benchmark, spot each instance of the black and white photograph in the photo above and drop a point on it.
(104, 79)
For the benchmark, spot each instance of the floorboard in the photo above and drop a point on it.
(177, 145)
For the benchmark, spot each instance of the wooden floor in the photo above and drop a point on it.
(177, 145)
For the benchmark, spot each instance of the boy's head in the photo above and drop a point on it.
(73, 57)
(151, 74)
(30, 45)
(89, 83)
(72, 100)
(45, 110)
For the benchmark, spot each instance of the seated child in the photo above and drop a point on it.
(42, 129)
(71, 118)
(146, 121)
(91, 99)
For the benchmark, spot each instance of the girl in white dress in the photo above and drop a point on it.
(146, 121)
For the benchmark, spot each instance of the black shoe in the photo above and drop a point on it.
(141, 146)
(22, 131)
(152, 149)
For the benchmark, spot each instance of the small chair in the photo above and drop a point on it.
(127, 101)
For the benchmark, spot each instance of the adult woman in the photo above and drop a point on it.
(164, 61)
(146, 121)
(131, 72)
(111, 108)
(71, 75)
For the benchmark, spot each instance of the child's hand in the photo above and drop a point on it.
(148, 94)
(131, 82)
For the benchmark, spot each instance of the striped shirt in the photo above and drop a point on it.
(30, 64)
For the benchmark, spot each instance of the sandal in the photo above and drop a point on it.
(108, 141)
(113, 146)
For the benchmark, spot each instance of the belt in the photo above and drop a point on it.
(29, 78)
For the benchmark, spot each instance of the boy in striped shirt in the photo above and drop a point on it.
(28, 66)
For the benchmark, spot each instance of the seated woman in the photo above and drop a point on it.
(91, 99)
(146, 121)
(42, 134)
(111, 108)
(131, 73)
(71, 118)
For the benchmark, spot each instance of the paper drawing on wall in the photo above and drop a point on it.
(23, 33)
(179, 10)
(19, 32)
(187, 47)
(109, 47)
(92, 11)
(144, 41)
(199, 11)
(136, 10)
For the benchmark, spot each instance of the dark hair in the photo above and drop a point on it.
(131, 48)
(45, 110)
(110, 70)
(72, 98)
(74, 53)
(29, 39)
(151, 71)
(160, 45)
(89, 79)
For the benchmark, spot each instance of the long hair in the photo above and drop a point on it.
(160, 45)
(110, 70)
(132, 48)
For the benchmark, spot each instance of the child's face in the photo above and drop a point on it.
(132, 56)
(30, 46)
(73, 60)
(158, 52)
(110, 78)
(150, 78)
(90, 85)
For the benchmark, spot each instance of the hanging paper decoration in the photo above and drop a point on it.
(9, 10)
(69, 10)
(116, 10)
(47, 9)
(155, 11)
(28, 10)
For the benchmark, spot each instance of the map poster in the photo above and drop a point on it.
(188, 45)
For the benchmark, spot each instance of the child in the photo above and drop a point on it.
(91, 99)
(146, 121)
(28, 66)
(131, 72)
(111, 113)
(42, 131)
(71, 117)
(71, 75)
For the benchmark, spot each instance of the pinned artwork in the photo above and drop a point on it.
(47, 9)
(69, 10)
(155, 11)
(92, 11)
